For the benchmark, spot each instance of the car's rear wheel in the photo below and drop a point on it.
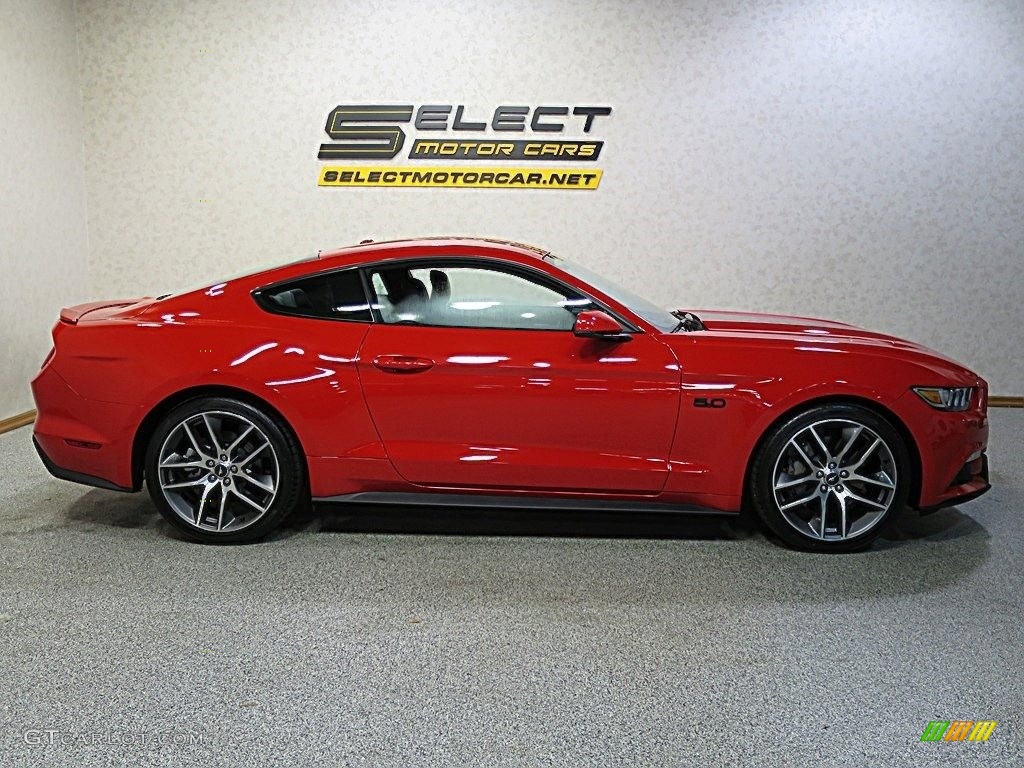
(831, 478)
(222, 470)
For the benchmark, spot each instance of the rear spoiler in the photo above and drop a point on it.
(71, 315)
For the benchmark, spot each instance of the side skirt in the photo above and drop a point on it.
(514, 502)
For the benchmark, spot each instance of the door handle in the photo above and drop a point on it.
(402, 363)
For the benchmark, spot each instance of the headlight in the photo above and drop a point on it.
(946, 398)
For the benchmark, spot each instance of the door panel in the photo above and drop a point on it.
(521, 409)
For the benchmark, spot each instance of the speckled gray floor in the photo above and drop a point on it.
(400, 638)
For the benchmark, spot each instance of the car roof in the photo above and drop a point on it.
(387, 250)
(435, 243)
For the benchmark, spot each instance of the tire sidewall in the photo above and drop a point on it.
(291, 467)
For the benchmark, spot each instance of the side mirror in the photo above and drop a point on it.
(595, 324)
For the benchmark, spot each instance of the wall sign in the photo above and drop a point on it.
(521, 134)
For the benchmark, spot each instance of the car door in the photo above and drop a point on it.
(474, 379)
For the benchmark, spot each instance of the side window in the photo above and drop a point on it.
(461, 296)
(331, 296)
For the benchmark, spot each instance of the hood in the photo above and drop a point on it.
(754, 325)
(757, 322)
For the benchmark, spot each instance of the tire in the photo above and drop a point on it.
(831, 479)
(239, 492)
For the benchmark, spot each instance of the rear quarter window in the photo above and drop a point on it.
(330, 296)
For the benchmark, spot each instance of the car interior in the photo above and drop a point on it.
(454, 296)
(471, 298)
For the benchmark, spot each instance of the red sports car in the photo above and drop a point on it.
(465, 371)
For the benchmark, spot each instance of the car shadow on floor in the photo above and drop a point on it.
(104, 508)
(495, 521)
(945, 524)
(918, 555)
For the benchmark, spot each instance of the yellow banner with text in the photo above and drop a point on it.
(458, 177)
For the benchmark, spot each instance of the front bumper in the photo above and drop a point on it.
(970, 483)
(952, 447)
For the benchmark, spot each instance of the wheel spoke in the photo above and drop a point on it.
(223, 501)
(184, 484)
(864, 456)
(247, 500)
(798, 481)
(842, 515)
(803, 456)
(231, 448)
(824, 450)
(192, 439)
(201, 508)
(849, 444)
(213, 435)
(886, 483)
(181, 464)
(824, 514)
(798, 502)
(250, 457)
(254, 481)
(862, 500)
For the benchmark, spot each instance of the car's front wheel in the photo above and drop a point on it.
(222, 470)
(831, 478)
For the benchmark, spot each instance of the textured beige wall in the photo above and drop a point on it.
(858, 160)
(42, 203)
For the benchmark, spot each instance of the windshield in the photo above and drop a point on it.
(659, 317)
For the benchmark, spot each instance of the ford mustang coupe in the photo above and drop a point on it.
(464, 371)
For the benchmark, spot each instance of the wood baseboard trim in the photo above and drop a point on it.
(16, 422)
(1004, 401)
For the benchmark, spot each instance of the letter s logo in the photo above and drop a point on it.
(365, 142)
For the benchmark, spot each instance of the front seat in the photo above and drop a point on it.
(440, 286)
(406, 294)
